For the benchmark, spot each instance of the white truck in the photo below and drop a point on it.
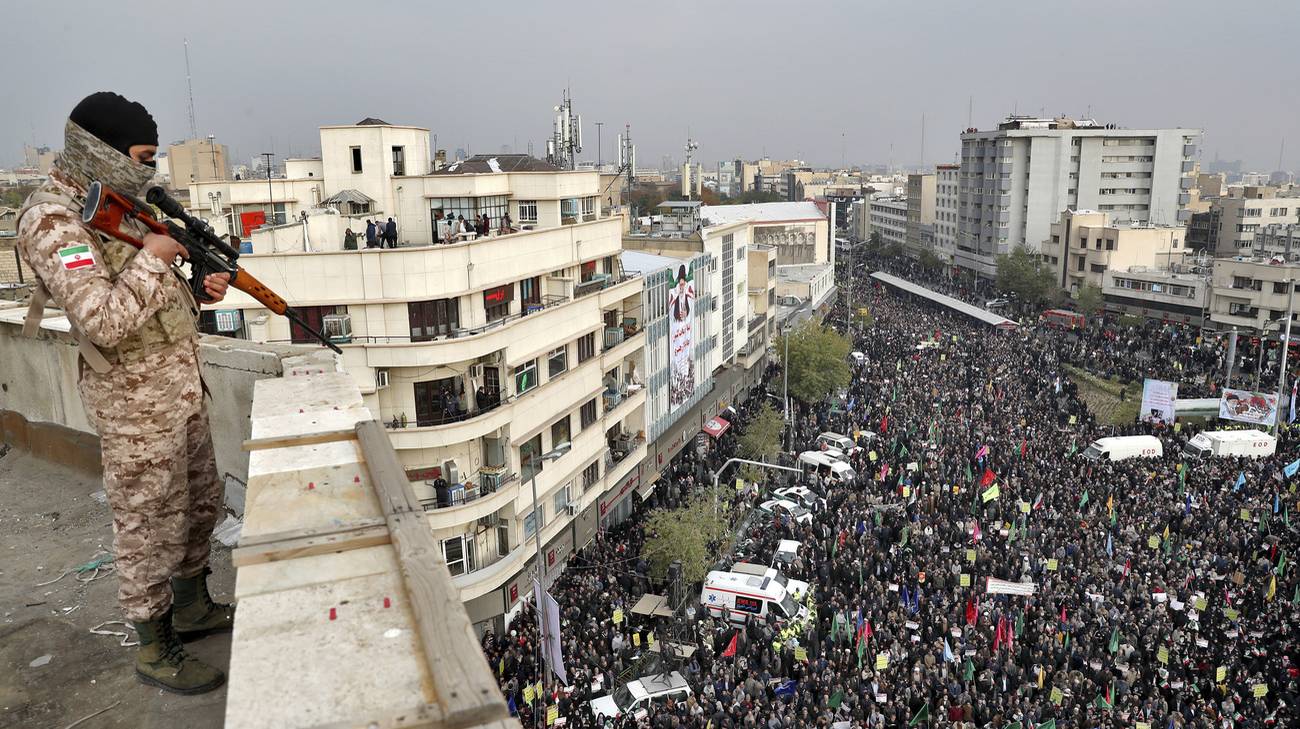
(820, 464)
(1123, 447)
(1225, 443)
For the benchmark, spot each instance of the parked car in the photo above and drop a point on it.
(778, 507)
(640, 694)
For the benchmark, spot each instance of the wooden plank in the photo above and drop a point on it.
(386, 472)
(423, 716)
(308, 546)
(313, 532)
(323, 486)
(258, 579)
(308, 423)
(286, 441)
(463, 681)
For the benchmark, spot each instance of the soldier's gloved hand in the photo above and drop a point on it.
(164, 247)
(215, 285)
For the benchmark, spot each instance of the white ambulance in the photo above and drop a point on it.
(738, 597)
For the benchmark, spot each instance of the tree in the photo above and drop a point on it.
(752, 196)
(13, 197)
(1089, 300)
(894, 250)
(761, 440)
(929, 261)
(818, 361)
(874, 239)
(1021, 271)
(689, 534)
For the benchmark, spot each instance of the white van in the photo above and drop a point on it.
(820, 464)
(796, 588)
(739, 596)
(1124, 447)
(1222, 443)
(842, 442)
(640, 694)
(787, 551)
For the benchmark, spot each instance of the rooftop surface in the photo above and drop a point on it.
(49, 523)
(778, 212)
(496, 163)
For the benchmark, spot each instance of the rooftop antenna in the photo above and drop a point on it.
(566, 135)
(1280, 150)
(922, 141)
(843, 152)
(970, 112)
(691, 146)
(194, 129)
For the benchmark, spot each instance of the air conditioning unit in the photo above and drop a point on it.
(338, 327)
(381, 378)
(571, 509)
(450, 472)
(476, 372)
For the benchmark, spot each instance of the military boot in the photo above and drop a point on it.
(194, 614)
(163, 662)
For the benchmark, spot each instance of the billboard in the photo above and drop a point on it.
(1259, 408)
(681, 337)
(1158, 397)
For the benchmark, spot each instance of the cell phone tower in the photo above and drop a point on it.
(688, 172)
(566, 136)
(627, 155)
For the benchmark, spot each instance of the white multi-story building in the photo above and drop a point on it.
(920, 212)
(1016, 180)
(889, 219)
(800, 231)
(945, 211)
(498, 362)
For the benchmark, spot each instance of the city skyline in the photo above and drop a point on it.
(850, 83)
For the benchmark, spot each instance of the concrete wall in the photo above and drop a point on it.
(41, 411)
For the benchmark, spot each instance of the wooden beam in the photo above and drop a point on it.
(462, 679)
(313, 532)
(429, 715)
(386, 472)
(286, 441)
(308, 546)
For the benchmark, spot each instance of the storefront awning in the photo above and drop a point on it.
(647, 487)
(716, 426)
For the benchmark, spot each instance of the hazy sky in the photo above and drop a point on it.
(816, 80)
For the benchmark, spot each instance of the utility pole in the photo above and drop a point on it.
(1286, 346)
(600, 160)
(270, 194)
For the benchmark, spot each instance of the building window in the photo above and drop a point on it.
(1097, 268)
(313, 317)
(528, 211)
(356, 159)
(470, 208)
(533, 521)
(588, 208)
(561, 499)
(560, 432)
(525, 377)
(588, 412)
(496, 301)
(530, 457)
(569, 211)
(503, 541)
(530, 292)
(399, 160)
(586, 347)
(590, 475)
(437, 402)
(436, 318)
(557, 361)
(458, 553)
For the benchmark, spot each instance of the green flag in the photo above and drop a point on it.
(922, 715)
(1083, 500)
(1073, 447)
(1281, 565)
(1114, 641)
(1295, 599)
(968, 673)
(969, 476)
(836, 699)
(1049, 724)
(1020, 624)
(1013, 725)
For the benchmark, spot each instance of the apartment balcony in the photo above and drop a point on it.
(616, 351)
(471, 426)
(562, 320)
(481, 495)
(618, 405)
(419, 273)
(757, 322)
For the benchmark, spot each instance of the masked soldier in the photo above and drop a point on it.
(134, 320)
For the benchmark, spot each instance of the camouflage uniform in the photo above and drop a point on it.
(159, 470)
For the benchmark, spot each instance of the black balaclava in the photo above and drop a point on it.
(115, 120)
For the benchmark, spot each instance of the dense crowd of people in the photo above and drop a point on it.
(1162, 593)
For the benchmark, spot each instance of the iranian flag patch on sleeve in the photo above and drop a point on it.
(78, 256)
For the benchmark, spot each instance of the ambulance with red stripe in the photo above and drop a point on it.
(739, 597)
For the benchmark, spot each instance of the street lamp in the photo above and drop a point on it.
(1286, 347)
(554, 454)
(730, 461)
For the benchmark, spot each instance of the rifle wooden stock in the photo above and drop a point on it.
(246, 282)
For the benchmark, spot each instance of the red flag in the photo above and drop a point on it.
(972, 612)
(1062, 614)
(988, 477)
(884, 424)
(731, 647)
(975, 532)
(998, 633)
(1024, 445)
(1127, 564)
